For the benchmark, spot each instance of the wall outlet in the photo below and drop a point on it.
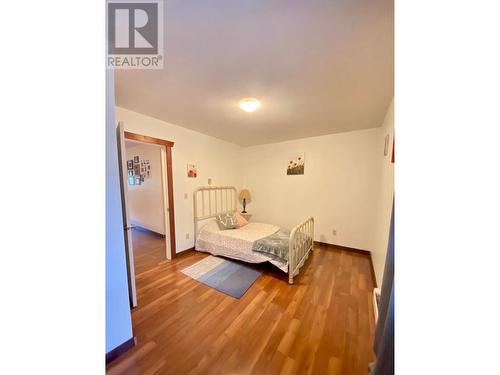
(187, 236)
(334, 232)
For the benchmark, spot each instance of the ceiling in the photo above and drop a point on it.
(318, 67)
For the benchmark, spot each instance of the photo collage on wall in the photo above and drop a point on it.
(138, 170)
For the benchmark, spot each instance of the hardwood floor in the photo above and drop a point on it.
(323, 324)
(149, 249)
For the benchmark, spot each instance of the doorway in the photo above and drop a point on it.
(147, 202)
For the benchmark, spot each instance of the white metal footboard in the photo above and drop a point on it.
(301, 242)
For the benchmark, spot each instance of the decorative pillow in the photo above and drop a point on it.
(227, 221)
(240, 219)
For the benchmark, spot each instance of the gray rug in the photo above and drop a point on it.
(228, 277)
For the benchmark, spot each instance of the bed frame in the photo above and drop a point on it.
(210, 201)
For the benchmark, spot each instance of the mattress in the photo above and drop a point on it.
(237, 243)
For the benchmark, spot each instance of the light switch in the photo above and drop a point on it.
(185, 195)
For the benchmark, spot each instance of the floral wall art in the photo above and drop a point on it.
(296, 164)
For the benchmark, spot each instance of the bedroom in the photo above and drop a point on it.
(269, 245)
(304, 131)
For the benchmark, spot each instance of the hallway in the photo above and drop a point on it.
(149, 249)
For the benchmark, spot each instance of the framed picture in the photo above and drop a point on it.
(296, 164)
(130, 164)
(130, 173)
(131, 180)
(192, 171)
(136, 159)
(137, 180)
(137, 169)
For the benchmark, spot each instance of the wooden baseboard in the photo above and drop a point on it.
(185, 251)
(119, 350)
(353, 250)
(145, 229)
(339, 247)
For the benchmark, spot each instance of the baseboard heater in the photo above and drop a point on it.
(376, 302)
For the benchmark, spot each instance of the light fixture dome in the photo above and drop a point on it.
(249, 104)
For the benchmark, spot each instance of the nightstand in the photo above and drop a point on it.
(247, 216)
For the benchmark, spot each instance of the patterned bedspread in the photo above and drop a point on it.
(276, 244)
(237, 243)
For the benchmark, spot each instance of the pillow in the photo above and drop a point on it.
(240, 219)
(227, 221)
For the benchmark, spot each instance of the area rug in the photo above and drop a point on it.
(227, 277)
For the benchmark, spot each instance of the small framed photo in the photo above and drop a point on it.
(137, 180)
(136, 159)
(131, 180)
(130, 173)
(130, 164)
(192, 171)
(137, 169)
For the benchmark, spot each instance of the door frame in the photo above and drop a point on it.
(129, 247)
(170, 182)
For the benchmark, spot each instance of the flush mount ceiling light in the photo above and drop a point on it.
(249, 104)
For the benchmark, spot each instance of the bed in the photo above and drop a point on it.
(252, 243)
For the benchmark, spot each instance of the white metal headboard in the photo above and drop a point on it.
(210, 201)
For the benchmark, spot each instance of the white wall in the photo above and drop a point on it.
(215, 158)
(339, 187)
(385, 196)
(146, 200)
(118, 320)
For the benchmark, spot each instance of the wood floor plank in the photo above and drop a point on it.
(323, 324)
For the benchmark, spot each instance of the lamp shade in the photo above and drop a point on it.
(245, 194)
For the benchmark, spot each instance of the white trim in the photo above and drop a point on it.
(129, 247)
(166, 216)
(376, 291)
